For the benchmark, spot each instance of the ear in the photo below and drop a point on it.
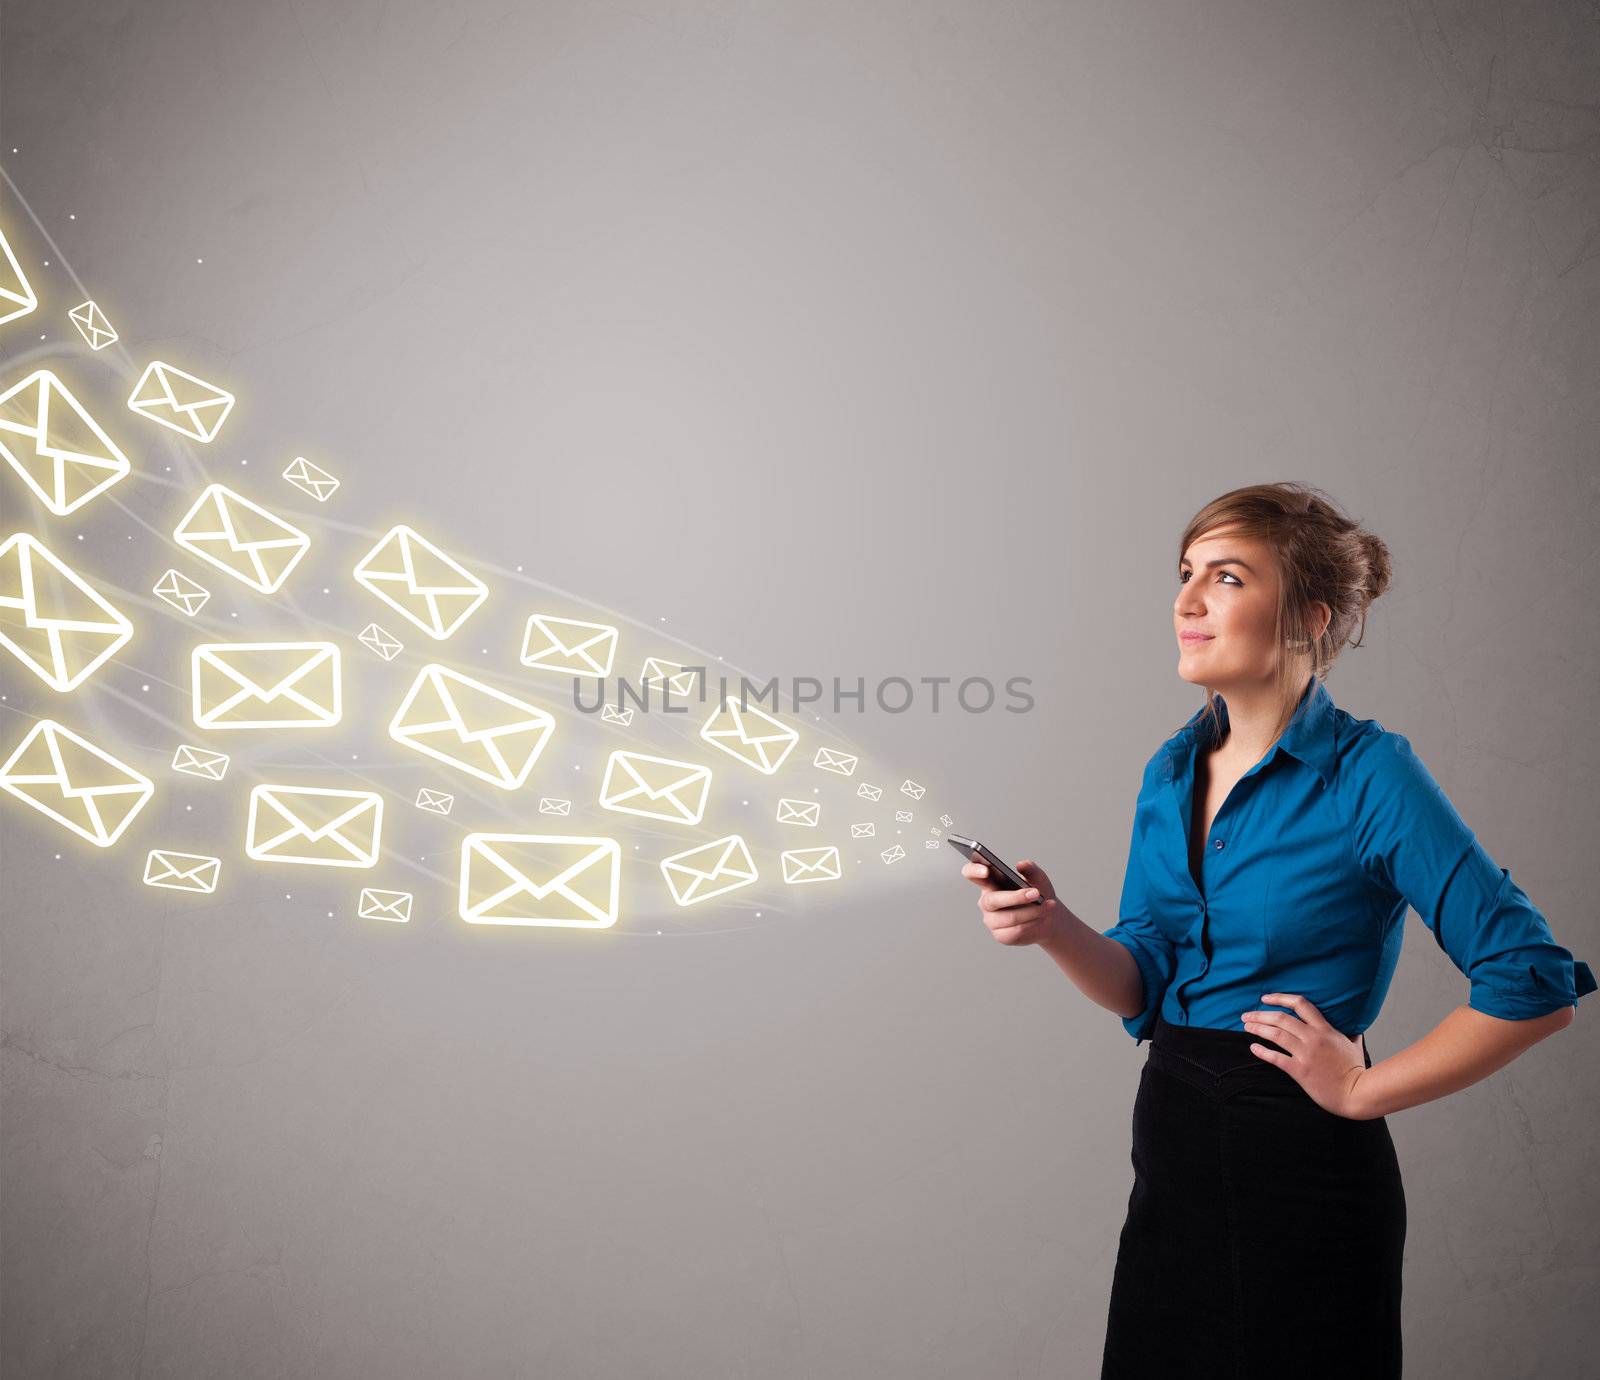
(1323, 615)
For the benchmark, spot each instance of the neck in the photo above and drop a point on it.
(1253, 711)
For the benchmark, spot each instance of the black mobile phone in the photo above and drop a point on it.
(974, 851)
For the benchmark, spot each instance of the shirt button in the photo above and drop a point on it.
(1216, 843)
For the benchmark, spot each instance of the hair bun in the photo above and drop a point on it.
(1379, 570)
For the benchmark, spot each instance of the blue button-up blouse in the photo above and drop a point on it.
(1309, 868)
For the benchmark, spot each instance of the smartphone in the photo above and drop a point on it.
(974, 851)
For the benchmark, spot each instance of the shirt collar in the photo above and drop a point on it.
(1309, 736)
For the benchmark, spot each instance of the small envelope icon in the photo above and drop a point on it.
(946, 821)
(56, 447)
(713, 869)
(232, 533)
(82, 787)
(894, 854)
(811, 865)
(840, 763)
(181, 592)
(311, 479)
(435, 802)
(376, 904)
(930, 843)
(92, 325)
(750, 734)
(670, 677)
(471, 726)
(314, 827)
(902, 816)
(656, 787)
(867, 792)
(182, 871)
(17, 298)
(863, 831)
(610, 714)
(385, 645)
(265, 684)
(800, 812)
(567, 646)
(419, 582)
(201, 762)
(175, 399)
(51, 619)
(911, 788)
(540, 879)
(549, 806)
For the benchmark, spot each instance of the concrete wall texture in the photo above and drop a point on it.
(830, 339)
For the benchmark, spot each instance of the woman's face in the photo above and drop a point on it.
(1227, 591)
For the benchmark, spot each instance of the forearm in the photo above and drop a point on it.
(1463, 1048)
(1102, 969)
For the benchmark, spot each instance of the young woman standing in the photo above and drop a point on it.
(1277, 845)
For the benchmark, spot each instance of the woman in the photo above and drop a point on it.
(1277, 843)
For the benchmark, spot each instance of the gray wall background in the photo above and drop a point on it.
(866, 340)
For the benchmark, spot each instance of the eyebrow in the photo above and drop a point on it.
(1221, 560)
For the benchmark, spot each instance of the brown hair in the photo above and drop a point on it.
(1322, 555)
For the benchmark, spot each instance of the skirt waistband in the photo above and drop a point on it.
(1216, 1051)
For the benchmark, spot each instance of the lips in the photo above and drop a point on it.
(1193, 638)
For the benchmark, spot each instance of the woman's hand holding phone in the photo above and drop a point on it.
(1017, 917)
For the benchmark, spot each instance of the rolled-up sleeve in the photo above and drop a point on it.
(1408, 836)
(1136, 931)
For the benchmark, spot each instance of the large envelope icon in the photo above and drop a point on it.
(893, 853)
(540, 879)
(376, 904)
(314, 827)
(673, 678)
(471, 726)
(181, 592)
(168, 395)
(912, 789)
(241, 537)
(182, 871)
(799, 812)
(656, 787)
(840, 763)
(568, 646)
(81, 787)
(201, 762)
(750, 734)
(56, 447)
(811, 865)
(55, 624)
(93, 326)
(17, 297)
(713, 869)
(265, 684)
(419, 582)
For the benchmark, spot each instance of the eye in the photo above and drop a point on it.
(1184, 574)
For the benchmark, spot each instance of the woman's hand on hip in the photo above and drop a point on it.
(1320, 1059)
(1017, 917)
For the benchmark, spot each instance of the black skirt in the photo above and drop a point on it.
(1262, 1230)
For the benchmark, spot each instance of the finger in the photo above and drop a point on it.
(1020, 918)
(1270, 1055)
(977, 872)
(1282, 1031)
(1004, 900)
(1299, 1005)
